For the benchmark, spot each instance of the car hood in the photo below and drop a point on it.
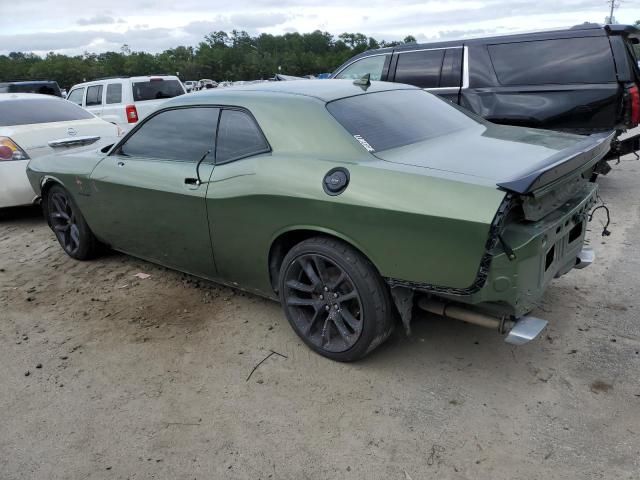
(487, 153)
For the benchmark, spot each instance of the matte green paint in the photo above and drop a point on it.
(419, 213)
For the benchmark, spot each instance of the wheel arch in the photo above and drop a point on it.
(286, 239)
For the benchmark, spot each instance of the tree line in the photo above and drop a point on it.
(220, 56)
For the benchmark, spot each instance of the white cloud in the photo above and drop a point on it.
(154, 25)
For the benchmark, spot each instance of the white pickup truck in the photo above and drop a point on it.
(125, 100)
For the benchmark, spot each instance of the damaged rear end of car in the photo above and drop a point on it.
(538, 234)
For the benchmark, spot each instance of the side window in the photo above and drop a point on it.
(182, 135)
(421, 68)
(238, 137)
(371, 65)
(451, 68)
(94, 95)
(76, 95)
(561, 61)
(114, 93)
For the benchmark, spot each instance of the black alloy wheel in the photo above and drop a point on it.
(334, 299)
(64, 222)
(69, 225)
(324, 302)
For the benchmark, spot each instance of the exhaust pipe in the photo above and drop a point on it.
(585, 258)
(520, 331)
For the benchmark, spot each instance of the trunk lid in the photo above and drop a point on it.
(516, 159)
(45, 138)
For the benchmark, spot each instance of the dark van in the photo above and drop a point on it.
(46, 87)
(580, 80)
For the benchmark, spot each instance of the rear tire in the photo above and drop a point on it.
(68, 224)
(334, 299)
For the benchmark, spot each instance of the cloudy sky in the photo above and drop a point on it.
(72, 26)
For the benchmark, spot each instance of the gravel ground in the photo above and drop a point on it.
(105, 375)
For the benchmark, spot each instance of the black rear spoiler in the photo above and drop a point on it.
(580, 156)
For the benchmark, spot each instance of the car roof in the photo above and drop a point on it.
(585, 29)
(139, 78)
(28, 96)
(28, 82)
(323, 90)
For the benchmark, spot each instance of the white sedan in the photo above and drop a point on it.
(32, 125)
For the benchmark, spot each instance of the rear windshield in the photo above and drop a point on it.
(384, 120)
(156, 89)
(561, 61)
(49, 88)
(41, 110)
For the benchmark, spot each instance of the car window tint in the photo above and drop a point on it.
(156, 89)
(76, 95)
(385, 120)
(421, 68)
(94, 95)
(562, 61)
(238, 136)
(451, 68)
(184, 135)
(374, 66)
(44, 88)
(114, 93)
(41, 110)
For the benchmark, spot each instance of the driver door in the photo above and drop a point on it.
(146, 194)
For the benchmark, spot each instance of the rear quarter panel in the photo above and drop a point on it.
(411, 226)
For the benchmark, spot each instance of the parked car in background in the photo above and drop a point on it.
(299, 191)
(45, 87)
(34, 125)
(125, 100)
(190, 85)
(207, 83)
(580, 80)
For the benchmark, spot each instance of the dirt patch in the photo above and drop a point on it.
(601, 387)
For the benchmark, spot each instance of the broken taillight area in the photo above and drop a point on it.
(9, 150)
(634, 104)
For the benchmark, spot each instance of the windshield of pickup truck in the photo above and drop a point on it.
(156, 89)
(384, 120)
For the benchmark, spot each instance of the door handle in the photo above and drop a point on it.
(121, 164)
(191, 181)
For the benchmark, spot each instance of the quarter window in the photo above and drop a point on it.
(76, 96)
(562, 61)
(238, 137)
(94, 95)
(374, 66)
(114, 93)
(420, 68)
(182, 135)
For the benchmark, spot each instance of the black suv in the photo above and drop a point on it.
(46, 87)
(581, 80)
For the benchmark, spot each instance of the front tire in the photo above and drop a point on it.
(334, 299)
(68, 224)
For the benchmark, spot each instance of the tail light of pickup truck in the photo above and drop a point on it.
(634, 97)
(132, 113)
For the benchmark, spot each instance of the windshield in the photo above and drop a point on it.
(41, 110)
(384, 120)
(156, 89)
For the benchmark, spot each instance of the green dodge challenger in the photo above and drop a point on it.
(350, 202)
